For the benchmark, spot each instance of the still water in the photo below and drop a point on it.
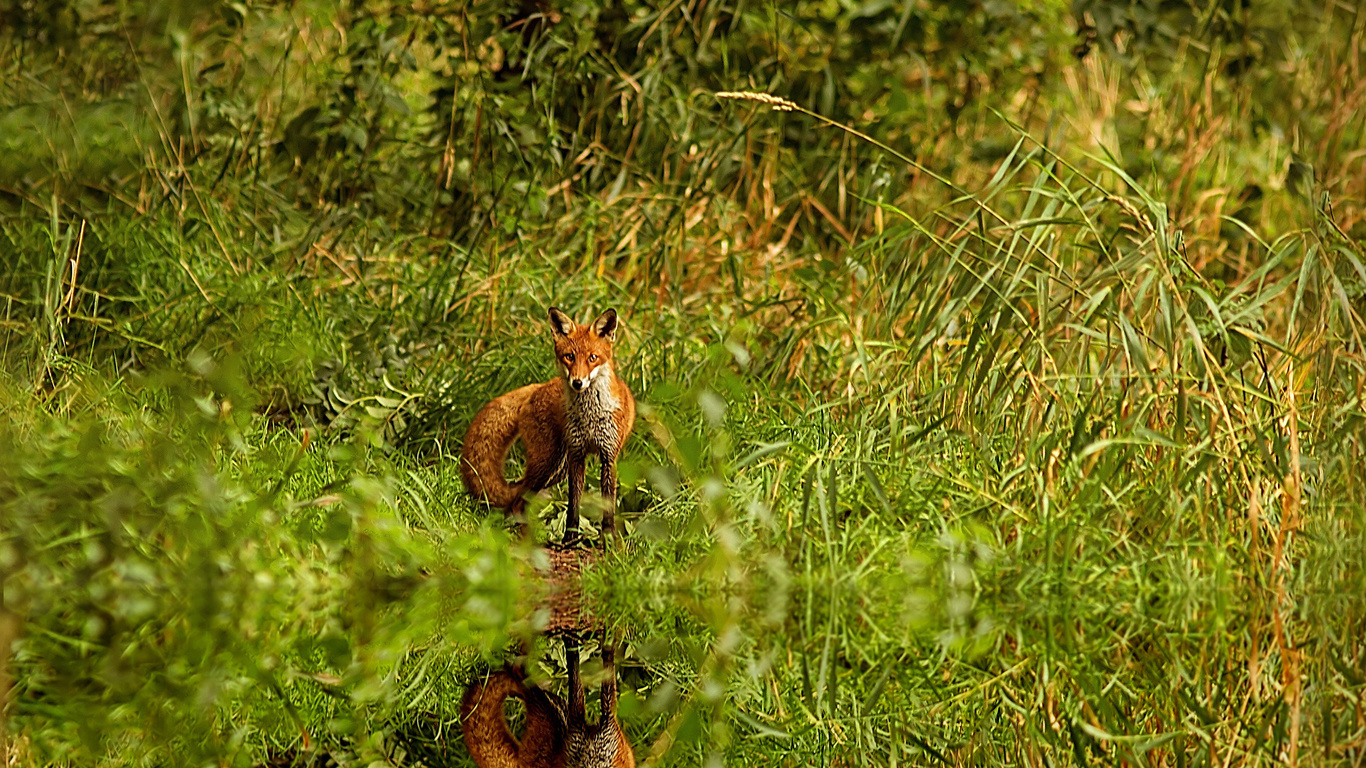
(886, 650)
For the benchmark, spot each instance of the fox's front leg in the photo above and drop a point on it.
(577, 462)
(578, 704)
(609, 684)
(609, 495)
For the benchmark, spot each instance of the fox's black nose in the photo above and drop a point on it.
(577, 383)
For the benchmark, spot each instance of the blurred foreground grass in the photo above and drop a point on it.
(1033, 436)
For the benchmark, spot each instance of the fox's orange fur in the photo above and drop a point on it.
(557, 734)
(588, 410)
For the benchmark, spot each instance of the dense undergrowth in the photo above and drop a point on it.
(1003, 392)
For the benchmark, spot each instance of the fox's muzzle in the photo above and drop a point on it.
(578, 384)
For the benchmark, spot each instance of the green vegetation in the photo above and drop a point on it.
(1004, 397)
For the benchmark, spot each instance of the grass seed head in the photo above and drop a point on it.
(777, 102)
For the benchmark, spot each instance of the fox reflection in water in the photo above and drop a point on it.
(557, 733)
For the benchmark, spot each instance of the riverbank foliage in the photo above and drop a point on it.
(1002, 386)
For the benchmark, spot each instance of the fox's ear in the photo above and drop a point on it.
(560, 323)
(606, 324)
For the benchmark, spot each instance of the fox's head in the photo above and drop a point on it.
(583, 352)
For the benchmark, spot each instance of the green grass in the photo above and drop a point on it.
(998, 406)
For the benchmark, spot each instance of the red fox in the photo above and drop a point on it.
(560, 422)
(556, 735)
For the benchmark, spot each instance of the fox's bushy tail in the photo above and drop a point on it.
(485, 727)
(485, 451)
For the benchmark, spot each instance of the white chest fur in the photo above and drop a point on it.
(589, 423)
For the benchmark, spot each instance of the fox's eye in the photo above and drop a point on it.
(569, 358)
(592, 358)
